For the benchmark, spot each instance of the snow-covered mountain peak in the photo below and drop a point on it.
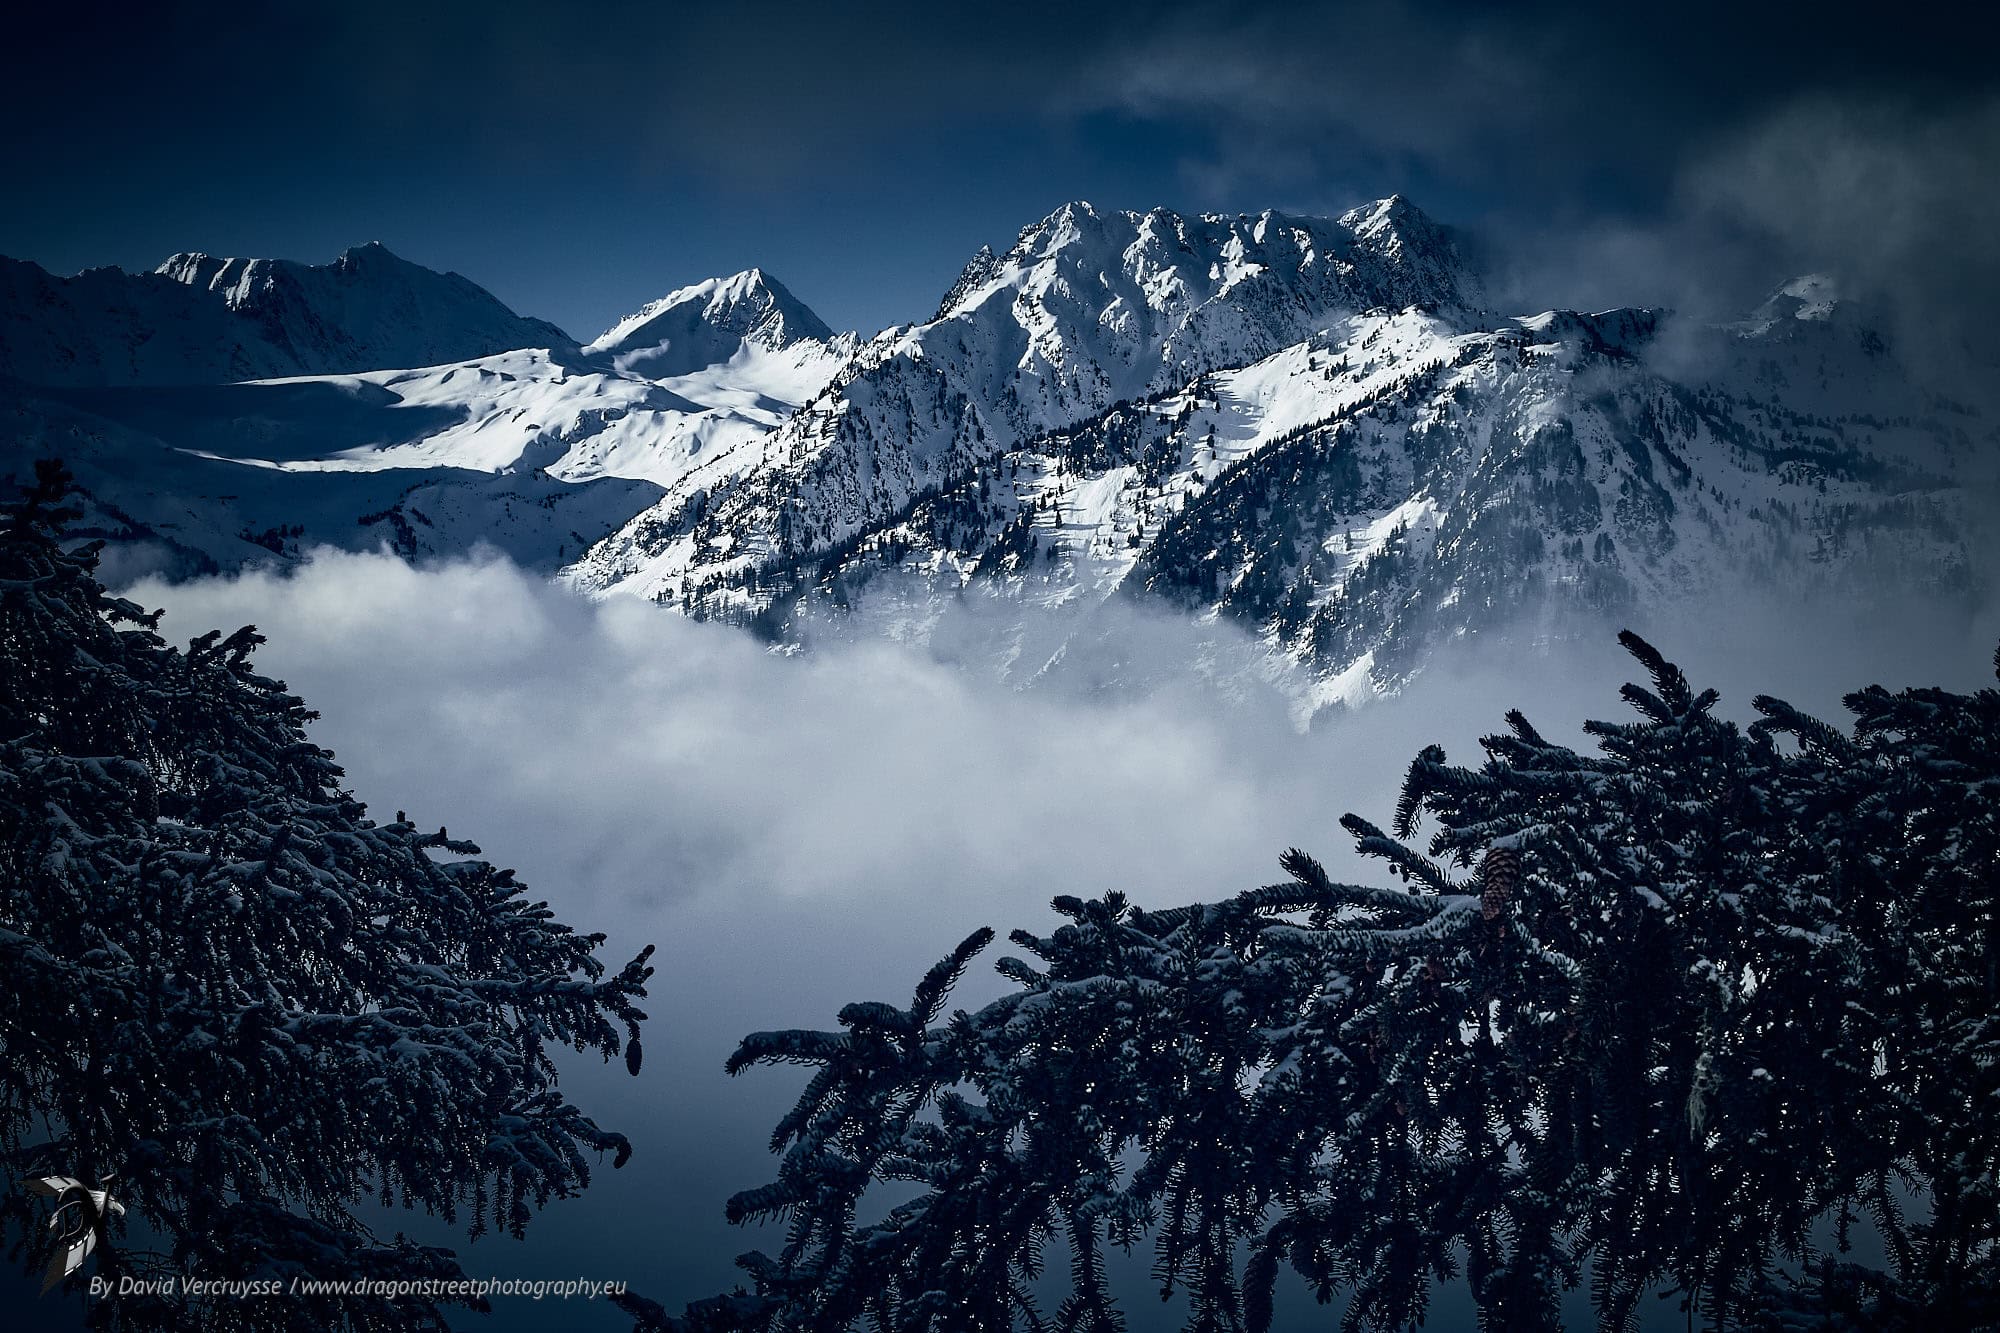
(1394, 229)
(709, 322)
(1817, 317)
(1187, 268)
(190, 268)
(240, 280)
(1385, 214)
(370, 255)
(1810, 296)
(1416, 253)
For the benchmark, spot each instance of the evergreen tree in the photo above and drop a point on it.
(1653, 1013)
(247, 1003)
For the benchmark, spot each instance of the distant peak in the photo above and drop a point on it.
(1620, 329)
(1812, 297)
(709, 319)
(200, 318)
(755, 283)
(749, 284)
(192, 266)
(1386, 252)
(371, 252)
(1816, 293)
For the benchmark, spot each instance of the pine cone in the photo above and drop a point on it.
(1499, 877)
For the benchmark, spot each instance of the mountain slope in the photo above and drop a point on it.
(499, 449)
(165, 509)
(204, 320)
(1359, 499)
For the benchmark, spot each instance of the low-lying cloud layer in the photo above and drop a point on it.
(659, 761)
(798, 832)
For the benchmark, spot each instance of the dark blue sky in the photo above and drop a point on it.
(579, 160)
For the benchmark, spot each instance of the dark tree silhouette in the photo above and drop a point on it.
(1660, 1014)
(225, 985)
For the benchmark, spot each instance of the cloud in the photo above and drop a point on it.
(1541, 105)
(1612, 160)
(796, 832)
(771, 91)
(1893, 198)
(1310, 94)
(674, 760)
(1899, 202)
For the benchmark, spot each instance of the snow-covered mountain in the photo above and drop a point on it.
(1307, 433)
(1088, 308)
(1397, 483)
(197, 319)
(1315, 435)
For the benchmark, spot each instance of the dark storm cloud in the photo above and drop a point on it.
(1615, 91)
(748, 89)
(1600, 101)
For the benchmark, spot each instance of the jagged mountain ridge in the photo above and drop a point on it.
(198, 319)
(1087, 308)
